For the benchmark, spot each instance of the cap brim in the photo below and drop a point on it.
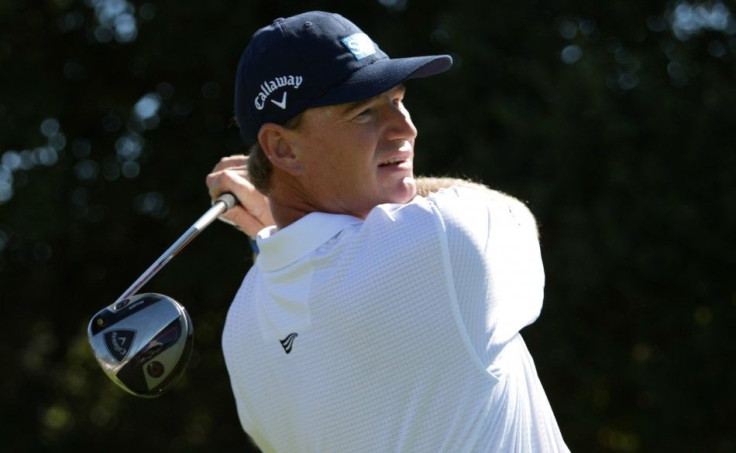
(381, 76)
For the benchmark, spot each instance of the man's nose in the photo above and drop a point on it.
(399, 123)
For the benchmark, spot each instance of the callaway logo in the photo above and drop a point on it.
(288, 342)
(118, 342)
(269, 86)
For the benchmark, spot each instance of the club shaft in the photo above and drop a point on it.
(219, 207)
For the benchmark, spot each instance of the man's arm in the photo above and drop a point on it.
(253, 213)
(430, 184)
(427, 185)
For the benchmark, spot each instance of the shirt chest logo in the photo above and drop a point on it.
(288, 342)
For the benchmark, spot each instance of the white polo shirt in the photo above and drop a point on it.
(397, 333)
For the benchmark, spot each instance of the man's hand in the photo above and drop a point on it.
(231, 175)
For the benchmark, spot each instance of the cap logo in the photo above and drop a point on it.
(360, 45)
(269, 86)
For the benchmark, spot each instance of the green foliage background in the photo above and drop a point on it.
(613, 120)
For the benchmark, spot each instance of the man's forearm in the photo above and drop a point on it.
(429, 184)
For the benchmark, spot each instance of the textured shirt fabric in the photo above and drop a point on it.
(397, 333)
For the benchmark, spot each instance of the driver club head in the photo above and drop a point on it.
(143, 342)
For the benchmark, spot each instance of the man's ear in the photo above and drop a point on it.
(277, 143)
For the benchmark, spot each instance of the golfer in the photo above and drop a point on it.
(375, 319)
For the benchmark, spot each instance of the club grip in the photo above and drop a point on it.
(229, 200)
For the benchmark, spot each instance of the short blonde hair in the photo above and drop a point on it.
(259, 168)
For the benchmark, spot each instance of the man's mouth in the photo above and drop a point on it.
(392, 161)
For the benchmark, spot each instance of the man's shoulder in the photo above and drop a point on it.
(471, 202)
(458, 203)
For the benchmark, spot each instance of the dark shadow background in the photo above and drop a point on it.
(614, 121)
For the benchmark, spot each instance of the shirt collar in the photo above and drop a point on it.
(279, 248)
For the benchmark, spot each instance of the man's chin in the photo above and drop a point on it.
(400, 192)
(407, 190)
(411, 184)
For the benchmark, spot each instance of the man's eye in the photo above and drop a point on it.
(365, 112)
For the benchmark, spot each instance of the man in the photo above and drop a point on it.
(373, 319)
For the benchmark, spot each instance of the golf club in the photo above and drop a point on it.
(143, 341)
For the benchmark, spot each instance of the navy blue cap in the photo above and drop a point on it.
(315, 59)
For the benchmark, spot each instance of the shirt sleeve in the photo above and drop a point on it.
(496, 264)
